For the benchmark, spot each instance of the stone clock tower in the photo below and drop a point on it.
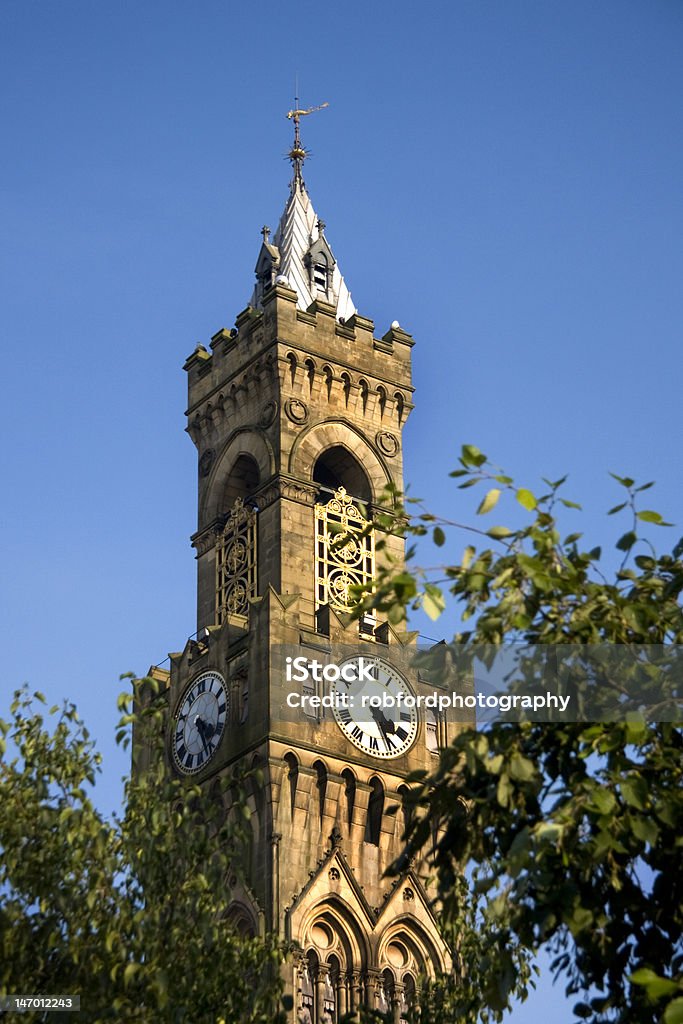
(297, 415)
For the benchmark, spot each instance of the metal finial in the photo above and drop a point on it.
(297, 153)
(265, 231)
(321, 225)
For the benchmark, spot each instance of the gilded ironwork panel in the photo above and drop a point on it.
(345, 550)
(236, 563)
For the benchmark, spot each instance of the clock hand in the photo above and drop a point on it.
(199, 721)
(380, 722)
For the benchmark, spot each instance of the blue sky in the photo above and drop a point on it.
(504, 178)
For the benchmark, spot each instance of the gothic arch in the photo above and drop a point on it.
(241, 917)
(349, 940)
(244, 442)
(311, 443)
(407, 933)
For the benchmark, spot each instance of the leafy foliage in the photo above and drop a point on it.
(130, 913)
(574, 830)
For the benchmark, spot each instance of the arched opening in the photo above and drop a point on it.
(349, 795)
(329, 377)
(321, 785)
(407, 997)
(338, 467)
(373, 824)
(346, 384)
(242, 481)
(407, 808)
(310, 372)
(320, 273)
(291, 359)
(400, 406)
(292, 777)
(241, 921)
(364, 392)
(387, 991)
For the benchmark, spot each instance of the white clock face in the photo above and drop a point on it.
(377, 720)
(199, 722)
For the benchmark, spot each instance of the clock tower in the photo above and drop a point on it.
(297, 414)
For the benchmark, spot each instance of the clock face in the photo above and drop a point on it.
(199, 722)
(377, 720)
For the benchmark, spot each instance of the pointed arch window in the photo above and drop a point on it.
(373, 824)
(320, 273)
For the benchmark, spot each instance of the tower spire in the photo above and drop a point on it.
(297, 153)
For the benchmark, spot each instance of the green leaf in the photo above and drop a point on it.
(433, 601)
(602, 800)
(499, 532)
(489, 501)
(645, 829)
(471, 456)
(626, 541)
(570, 504)
(439, 536)
(129, 973)
(467, 556)
(504, 791)
(649, 516)
(634, 791)
(521, 768)
(674, 1012)
(617, 508)
(526, 499)
(625, 481)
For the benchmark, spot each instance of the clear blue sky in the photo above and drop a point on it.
(502, 178)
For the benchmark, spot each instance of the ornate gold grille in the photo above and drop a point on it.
(236, 563)
(345, 550)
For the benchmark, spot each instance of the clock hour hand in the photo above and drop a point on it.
(199, 722)
(384, 725)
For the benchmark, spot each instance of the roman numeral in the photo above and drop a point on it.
(374, 745)
(344, 714)
(221, 708)
(189, 760)
(401, 733)
(201, 686)
(405, 716)
(357, 732)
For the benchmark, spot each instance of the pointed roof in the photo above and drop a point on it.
(299, 244)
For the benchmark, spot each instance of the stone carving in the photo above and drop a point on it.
(296, 410)
(268, 414)
(206, 462)
(387, 443)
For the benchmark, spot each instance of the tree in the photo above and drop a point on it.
(572, 830)
(130, 913)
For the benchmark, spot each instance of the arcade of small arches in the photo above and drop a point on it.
(339, 968)
(377, 804)
(364, 395)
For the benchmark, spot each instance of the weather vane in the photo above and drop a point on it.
(297, 153)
